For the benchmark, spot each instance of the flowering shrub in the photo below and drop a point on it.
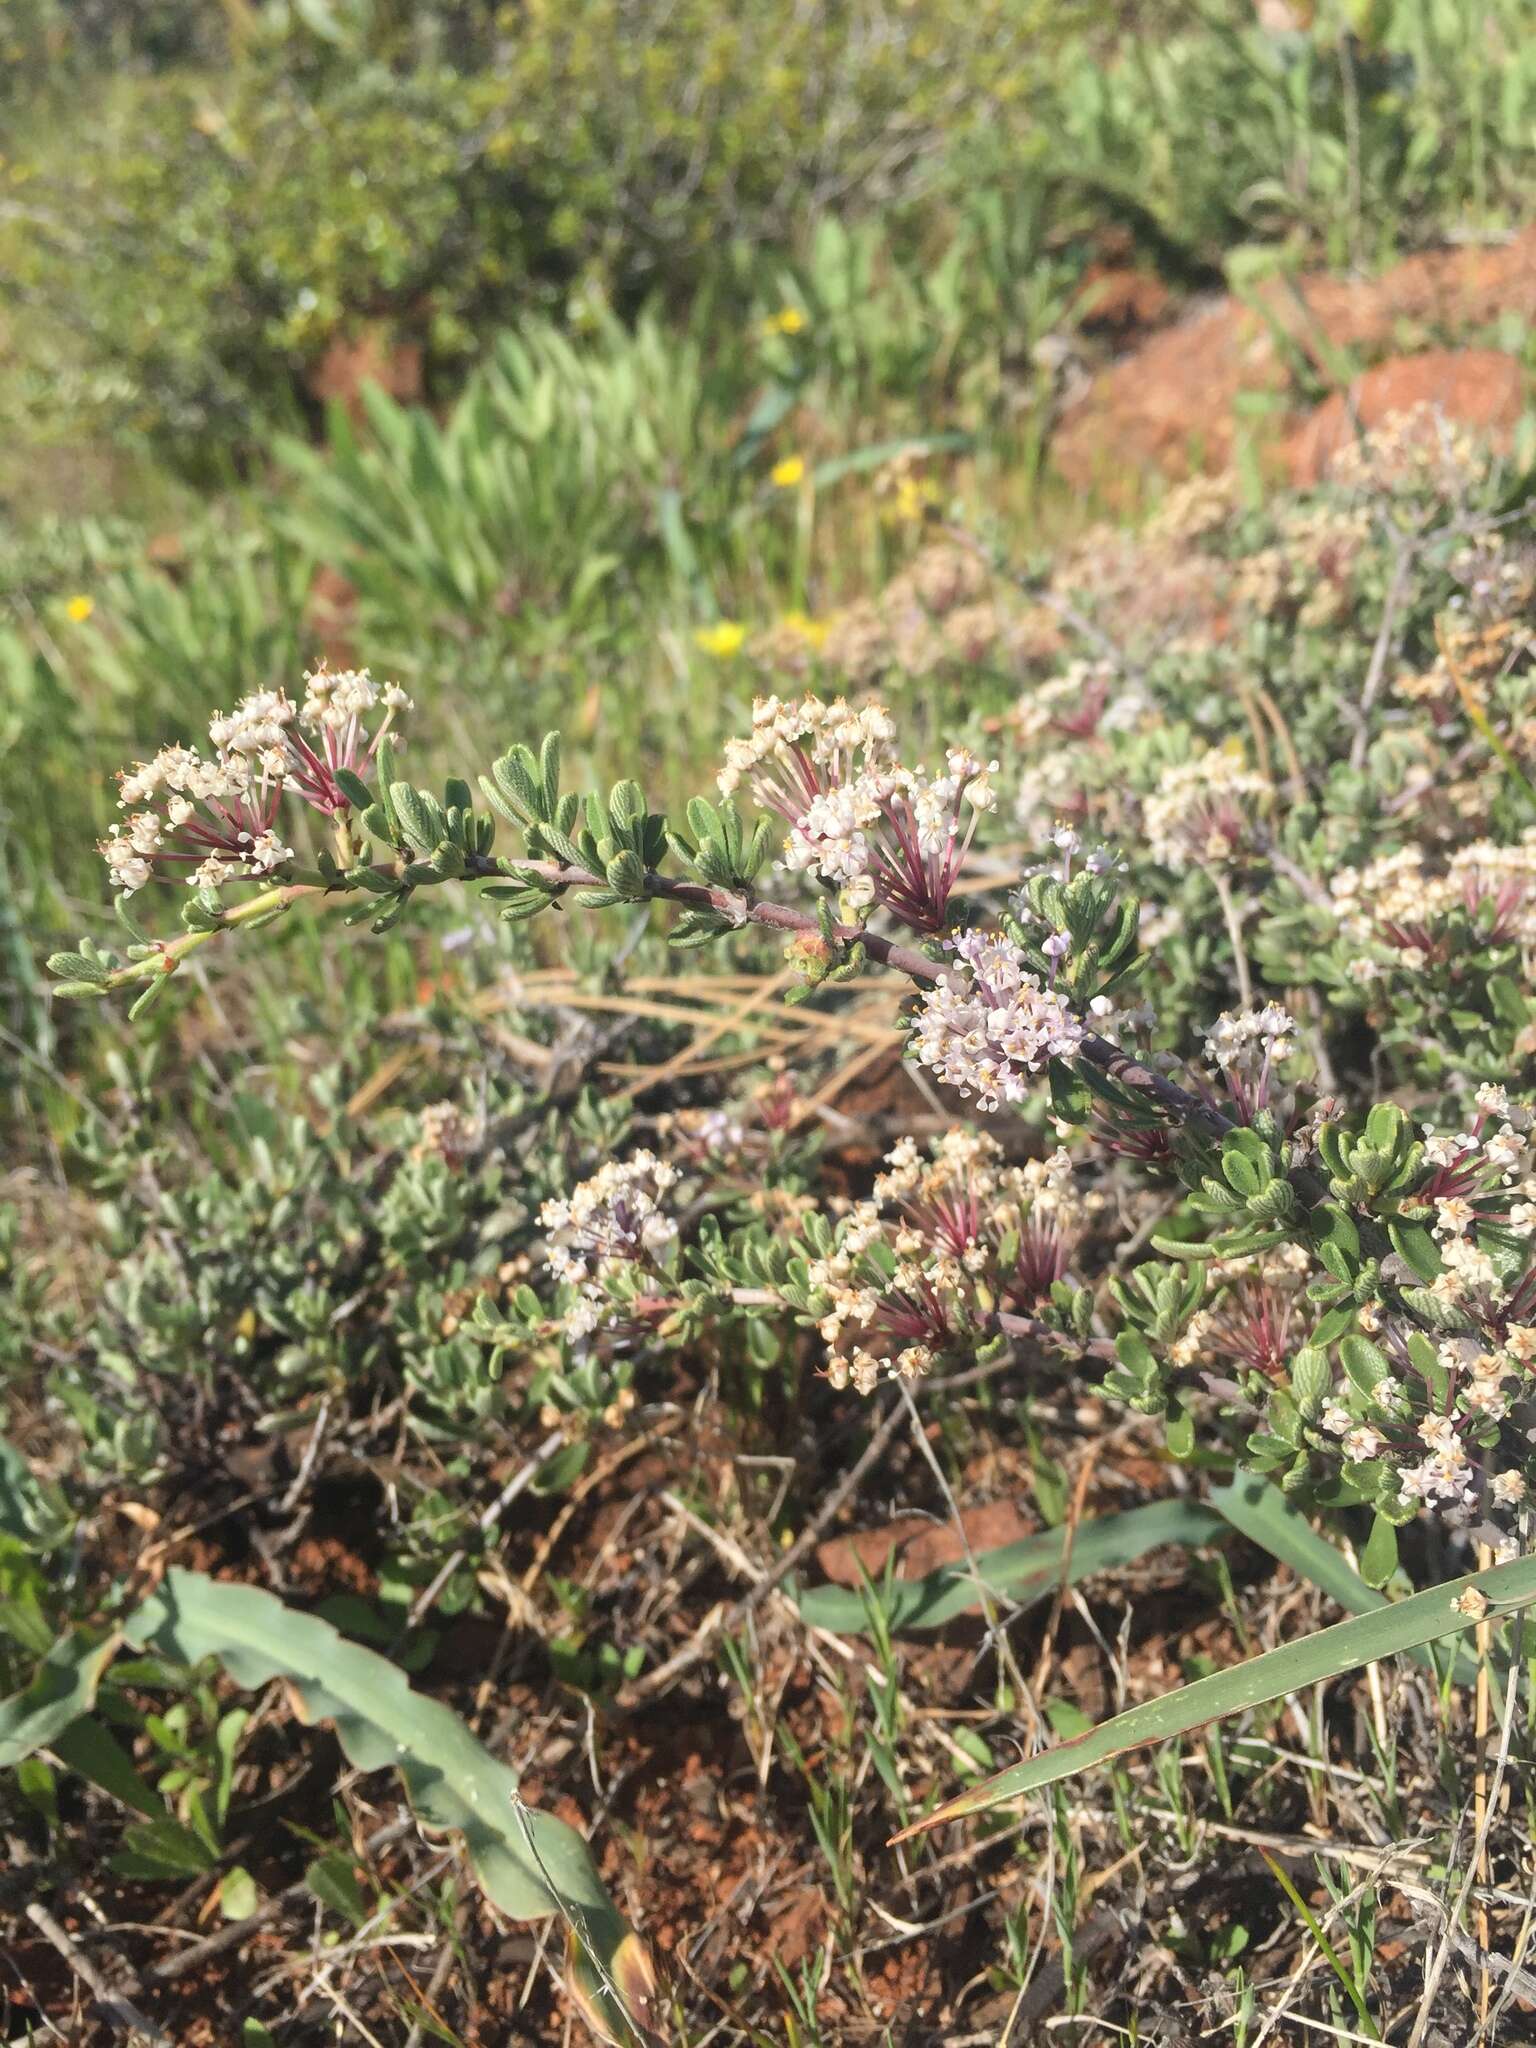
(1196, 866)
(1340, 1287)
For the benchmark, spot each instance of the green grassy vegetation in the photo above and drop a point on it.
(408, 1634)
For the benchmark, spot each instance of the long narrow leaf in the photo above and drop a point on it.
(1021, 1572)
(862, 460)
(1262, 1513)
(381, 1721)
(1257, 1509)
(1328, 1653)
(529, 1864)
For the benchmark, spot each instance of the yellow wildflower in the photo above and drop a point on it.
(914, 497)
(812, 631)
(80, 608)
(789, 472)
(788, 320)
(722, 639)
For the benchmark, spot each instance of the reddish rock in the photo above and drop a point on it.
(1474, 387)
(332, 616)
(1168, 408)
(1171, 407)
(372, 357)
(1119, 299)
(921, 1545)
(166, 550)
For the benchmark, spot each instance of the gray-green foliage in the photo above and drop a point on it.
(307, 1262)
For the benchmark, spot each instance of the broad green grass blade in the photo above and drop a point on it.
(63, 1689)
(1023, 1572)
(1402, 1625)
(529, 1864)
(861, 460)
(382, 1723)
(1261, 1512)
(1257, 1509)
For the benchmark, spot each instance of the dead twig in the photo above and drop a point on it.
(240, 1931)
(714, 1625)
(114, 2006)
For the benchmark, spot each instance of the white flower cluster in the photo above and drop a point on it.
(216, 818)
(1445, 1459)
(337, 698)
(916, 1268)
(614, 1221)
(989, 1031)
(876, 830)
(1310, 571)
(1081, 701)
(1247, 1043)
(1419, 451)
(1434, 1465)
(1399, 901)
(1250, 1314)
(447, 1131)
(1202, 809)
(1482, 1174)
(812, 743)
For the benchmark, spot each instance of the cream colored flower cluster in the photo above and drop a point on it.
(1253, 1314)
(216, 821)
(216, 818)
(1402, 902)
(616, 1220)
(1247, 1043)
(875, 830)
(1437, 1457)
(990, 1029)
(1417, 452)
(1198, 506)
(1480, 1176)
(337, 698)
(1203, 810)
(1087, 698)
(916, 1267)
(447, 1131)
(1310, 570)
(795, 749)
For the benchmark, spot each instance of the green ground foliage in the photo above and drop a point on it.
(717, 351)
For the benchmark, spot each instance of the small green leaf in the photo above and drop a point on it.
(1378, 1560)
(1311, 1379)
(1413, 1244)
(163, 1848)
(1179, 1428)
(1365, 1362)
(354, 787)
(89, 1747)
(333, 1880)
(238, 1895)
